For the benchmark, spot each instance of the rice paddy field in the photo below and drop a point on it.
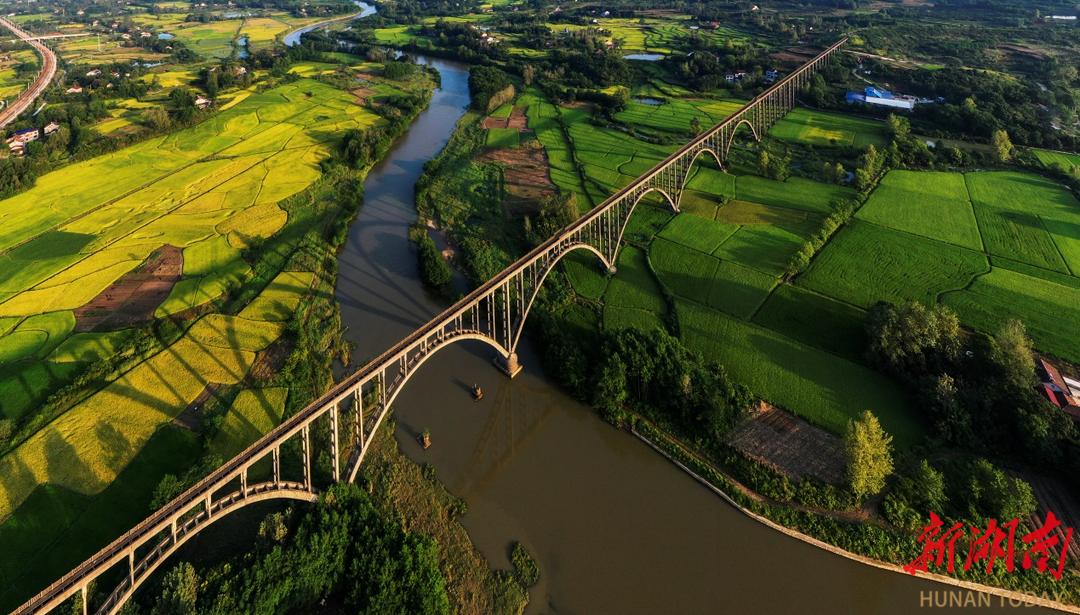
(821, 128)
(1065, 161)
(212, 39)
(991, 245)
(264, 29)
(209, 190)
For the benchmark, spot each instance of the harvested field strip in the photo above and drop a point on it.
(819, 386)
(864, 264)
(792, 446)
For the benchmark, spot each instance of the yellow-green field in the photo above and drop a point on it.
(263, 30)
(210, 190)
(209, 39)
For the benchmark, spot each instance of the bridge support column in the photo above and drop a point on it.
(305, 441)
(208, 514)
(508, 364)
(277, 466)
(243, 483)
(85, 607)
(334, 455)
(131, 569)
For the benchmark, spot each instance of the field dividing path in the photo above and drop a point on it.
(36, 89)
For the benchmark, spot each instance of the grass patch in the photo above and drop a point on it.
(633, 285)
(739, 290)
(583, 270)
(89, 347)
(1027, 218)
(685, 271)
(503, 137)
(821, 128)
(26, 385)
(764, 248)
(745, 212)
(616, 318)
(795, 192)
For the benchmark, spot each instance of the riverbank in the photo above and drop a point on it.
(1014, 598)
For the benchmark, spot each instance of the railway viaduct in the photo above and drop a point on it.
(494, 313)
(48, 71)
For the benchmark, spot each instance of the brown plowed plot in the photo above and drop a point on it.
(496, 122)
(517, 119)
(792, 446)
(269, 361)
(1052, 495)
(133, 298)
(527, 177)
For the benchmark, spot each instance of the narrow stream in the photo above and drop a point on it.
(615, 527)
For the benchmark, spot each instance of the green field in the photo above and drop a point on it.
(1049, 310)
(820, 386)
(503, 137)
(931, 204)
(211, 39)
(1065, 161)
(864, 264)
(1027, 218)
(818, 128)
(633, 286)
(816, 320)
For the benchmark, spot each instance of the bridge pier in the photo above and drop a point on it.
(508, 364)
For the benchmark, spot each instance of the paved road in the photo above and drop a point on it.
(48, 71)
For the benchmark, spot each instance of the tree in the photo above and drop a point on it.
(1014, 355)
(869, 455)
(179, 590)
(157, 118)
(763, 163)
(695, 126)
(557, 212)
(433, 268)
(1002, 146)
(166, 491)
(898, 127)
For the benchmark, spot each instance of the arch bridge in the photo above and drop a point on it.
(349, 415)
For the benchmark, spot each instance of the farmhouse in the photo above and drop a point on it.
(883, 98)
(94, 73)
(75, 89)
(26, 136)
(51, 127)
(202, 102)
(1062, 392)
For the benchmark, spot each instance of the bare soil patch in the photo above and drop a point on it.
(792, 446)
(517, 118)
(132, 299)
(269, 361)
(496, 122)
(527, 175)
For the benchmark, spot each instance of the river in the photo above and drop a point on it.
(614, 526)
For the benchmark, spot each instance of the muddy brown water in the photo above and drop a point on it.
(614, 527)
